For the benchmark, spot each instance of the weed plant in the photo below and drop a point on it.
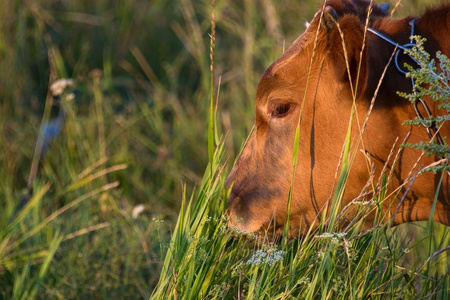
(430, 83)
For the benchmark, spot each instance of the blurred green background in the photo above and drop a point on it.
(141, 86)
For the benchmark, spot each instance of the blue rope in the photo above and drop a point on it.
(404, 47)
(431, 129)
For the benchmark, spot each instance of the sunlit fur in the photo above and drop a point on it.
(262, 174)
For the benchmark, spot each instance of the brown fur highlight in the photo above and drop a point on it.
(262, 174)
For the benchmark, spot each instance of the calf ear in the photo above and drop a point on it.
(329, 18)
(347, 53)
(384, 8)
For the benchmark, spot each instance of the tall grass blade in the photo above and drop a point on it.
(211, 126)
(35, 199)
(294, 166)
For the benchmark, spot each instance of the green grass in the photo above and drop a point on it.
(137, 133)
(206, 260)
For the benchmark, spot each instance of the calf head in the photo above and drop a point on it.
(314, 84)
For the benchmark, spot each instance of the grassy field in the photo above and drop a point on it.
(93, 181)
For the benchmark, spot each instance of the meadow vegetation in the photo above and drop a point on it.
(110, 189)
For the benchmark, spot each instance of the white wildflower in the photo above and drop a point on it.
(201, 255)
(335, 238)
(253, 236)
(325, 235)
(331, 235)
(269, 256)
(304, 281)
(203, 240)
(137, 210)
(191, 238)
(157, 221)
(349, 244)
(223, 228)
(58, 87)
(237, 270)
(219, 290)
(250, 235)
(70, 97)
(339, 286)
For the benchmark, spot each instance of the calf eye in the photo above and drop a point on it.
(278, 109)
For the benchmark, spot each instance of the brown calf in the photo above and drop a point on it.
(311, 78)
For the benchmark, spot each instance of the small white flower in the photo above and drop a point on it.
(269, 256)
(304, 281)
(239, 231)
(70, 97)
(335, 238)
(237, 270)
(328, 235)
(223, 228)
(137, 210)
(58, 87)
(349, 244)
(335, 241)
(157, 221)
(325, 235)
(201, 255)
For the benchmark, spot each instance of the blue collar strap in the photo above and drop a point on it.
(404, 47)
(432, 131)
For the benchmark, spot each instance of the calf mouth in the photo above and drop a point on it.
(271, 231)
